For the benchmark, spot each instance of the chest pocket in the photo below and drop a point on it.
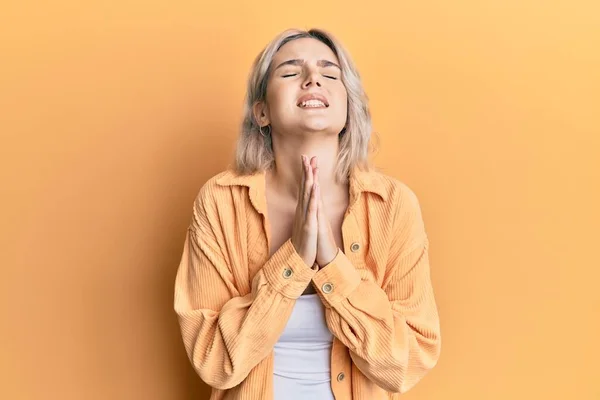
(366, 265)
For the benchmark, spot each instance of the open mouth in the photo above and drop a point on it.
(312, 104)
(313, 101)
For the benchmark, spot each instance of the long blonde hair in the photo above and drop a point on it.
(254, 150)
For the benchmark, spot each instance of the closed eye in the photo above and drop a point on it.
(330, 77)
(288, 75)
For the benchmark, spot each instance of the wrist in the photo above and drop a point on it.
(325, 260)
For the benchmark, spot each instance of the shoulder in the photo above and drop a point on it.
(397, 192)
(216, 185)
(214, 196)
(213, 187)
(404, 205)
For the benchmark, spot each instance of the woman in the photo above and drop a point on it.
(305, 273)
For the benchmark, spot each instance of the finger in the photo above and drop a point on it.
(308, 185)
(313, 162)
(321, 218)
(311, 216)
(309, 169)
(316, 181)
(309, 174)
(319, 206)
(314, 169)
(301, 186)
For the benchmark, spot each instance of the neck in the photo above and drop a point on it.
(286, 175)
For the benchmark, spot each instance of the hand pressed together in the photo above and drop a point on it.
(312, 235)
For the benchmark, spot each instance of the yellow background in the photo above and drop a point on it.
(113, 115)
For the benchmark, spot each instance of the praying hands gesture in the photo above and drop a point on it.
(312, 235)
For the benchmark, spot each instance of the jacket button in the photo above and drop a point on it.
(341, 377)
(287, 273)
(355, 247)
(327, 288)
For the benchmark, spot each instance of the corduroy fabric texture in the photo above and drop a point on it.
(233, 300)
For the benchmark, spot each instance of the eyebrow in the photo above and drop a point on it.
(299, 62)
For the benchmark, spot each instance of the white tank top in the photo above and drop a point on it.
(303, 354)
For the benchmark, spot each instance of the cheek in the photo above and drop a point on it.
(342, 97)
(278, 99)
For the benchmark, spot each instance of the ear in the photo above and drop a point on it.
(261, 113)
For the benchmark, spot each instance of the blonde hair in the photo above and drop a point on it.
(254, 151)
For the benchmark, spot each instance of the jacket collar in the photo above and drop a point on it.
(360, 181)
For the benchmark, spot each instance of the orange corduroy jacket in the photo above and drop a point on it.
(233, 300)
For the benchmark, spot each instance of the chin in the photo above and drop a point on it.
(325, 129)
(312, 125)
(322, 126)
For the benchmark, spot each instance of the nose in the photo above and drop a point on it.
(312, 78)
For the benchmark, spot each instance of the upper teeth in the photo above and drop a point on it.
(312, 103)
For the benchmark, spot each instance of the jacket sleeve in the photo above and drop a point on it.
(225, 334)
(392, 331)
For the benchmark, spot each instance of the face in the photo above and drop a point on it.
(305, 92)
